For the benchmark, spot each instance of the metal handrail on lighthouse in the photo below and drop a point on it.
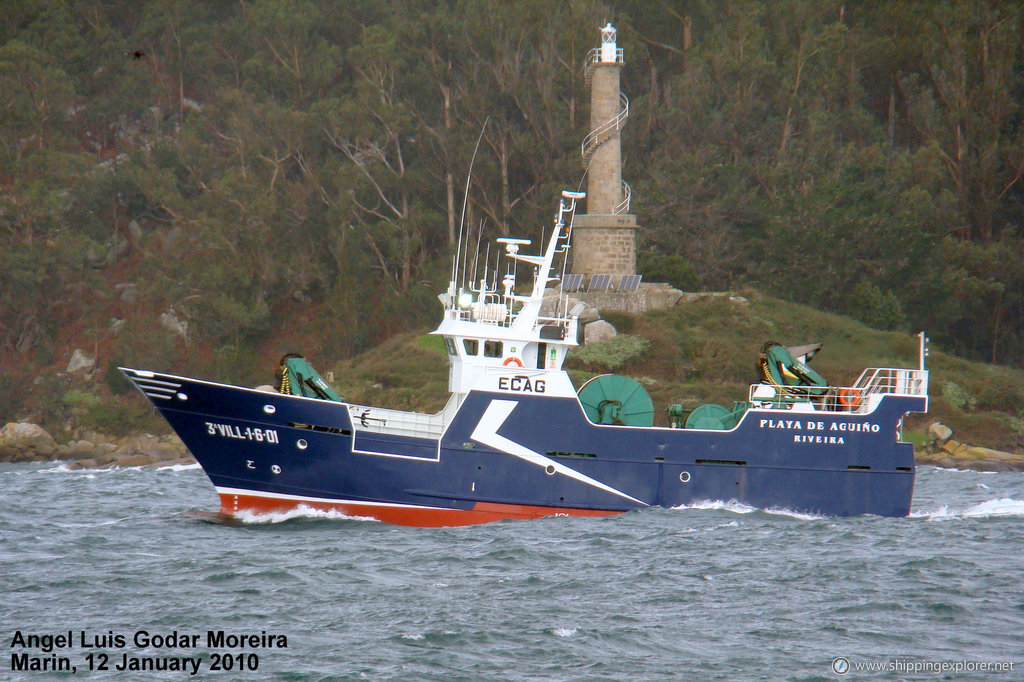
(597, 136)
(627, 195)
(593, 58)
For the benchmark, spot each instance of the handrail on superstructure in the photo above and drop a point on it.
(875, 381)
(888, 380)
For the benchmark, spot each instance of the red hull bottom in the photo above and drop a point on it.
(403, 515)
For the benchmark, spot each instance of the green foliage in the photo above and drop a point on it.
(674, 270)
(115, 381)
(12, 396)
(958, 397)
(611, 353)
(876, 308)
(104, 414)
(432, 343)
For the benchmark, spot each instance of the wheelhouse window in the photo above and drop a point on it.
(492, 349)
(471, 345)
(450, 345)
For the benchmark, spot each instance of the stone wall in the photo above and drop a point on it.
(645, 299)
(604, 245)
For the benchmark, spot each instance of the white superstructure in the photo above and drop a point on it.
(498, 339)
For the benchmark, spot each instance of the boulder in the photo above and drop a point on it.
(598, 331)
(953, 448)
(116, 250)
(128, 292)
(135, 461)
(552, 301)
(78, 449)
(939, 433)
(163, 450)
(21, 442)
(81, 362)
(992, 455)
(136, 444)
(104, 460)
(134, 232)
(170, 321)
(105, 449)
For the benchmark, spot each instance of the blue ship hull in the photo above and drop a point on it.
(524, 456)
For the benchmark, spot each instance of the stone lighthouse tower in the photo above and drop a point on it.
(604, 238)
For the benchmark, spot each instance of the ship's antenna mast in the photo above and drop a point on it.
(465, 199)
(476, 257)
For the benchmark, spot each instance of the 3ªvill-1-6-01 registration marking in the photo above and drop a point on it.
(239, 433)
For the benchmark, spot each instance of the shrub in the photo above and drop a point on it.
(612, 353)
(674, 270)
(958, 397)
(876, 308)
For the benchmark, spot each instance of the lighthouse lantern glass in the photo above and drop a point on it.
(608, 43)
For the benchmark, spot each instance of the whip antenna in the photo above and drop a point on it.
(465, 198)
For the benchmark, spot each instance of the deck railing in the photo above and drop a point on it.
(856, 398)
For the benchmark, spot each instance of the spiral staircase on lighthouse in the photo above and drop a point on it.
(605, 131)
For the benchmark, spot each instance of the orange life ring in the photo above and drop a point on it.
(512, 360)
(849, 397)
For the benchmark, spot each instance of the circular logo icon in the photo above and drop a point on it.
(840, 665)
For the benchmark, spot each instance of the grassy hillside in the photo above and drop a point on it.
(705, 351)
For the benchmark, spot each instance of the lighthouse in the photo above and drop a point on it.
(605, 236)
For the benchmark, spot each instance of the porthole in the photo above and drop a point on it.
(549, 469)
(684, 476)
(302, 444)
(269, 409)
(276, 469)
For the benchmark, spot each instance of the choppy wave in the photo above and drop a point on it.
(722, 591)
(1005, 506)
(63, 467)
(179, 467)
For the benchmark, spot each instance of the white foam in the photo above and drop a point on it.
(734, 506)
(803, 516)
(954, 470)
(738, 507)
(179, 467)
(63, 468)
(300, 512)
(564, 632)
(1002, 507)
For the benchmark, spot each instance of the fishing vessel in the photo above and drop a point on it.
(517, 440)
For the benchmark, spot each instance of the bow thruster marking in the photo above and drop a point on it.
(486, 432)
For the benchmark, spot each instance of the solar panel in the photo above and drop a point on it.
(572, 282)
(600, 282)
(630, 282)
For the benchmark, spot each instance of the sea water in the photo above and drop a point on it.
(717, 591)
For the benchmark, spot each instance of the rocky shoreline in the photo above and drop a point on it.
(25, 442)
(943, 451)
